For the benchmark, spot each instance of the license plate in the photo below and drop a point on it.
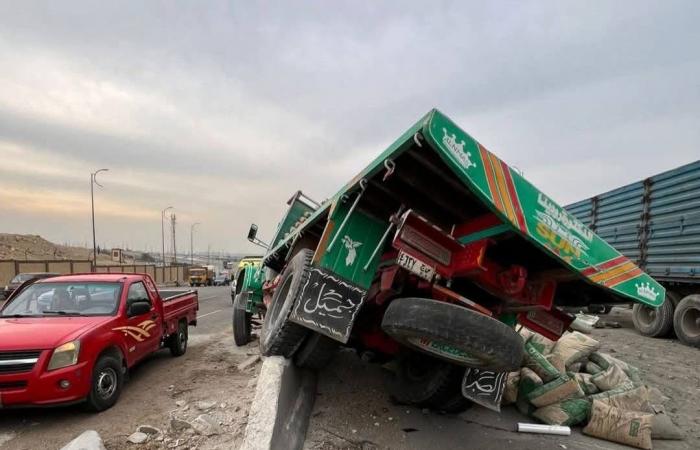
(415, 266)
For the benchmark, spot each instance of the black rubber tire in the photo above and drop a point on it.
(426, 382)
(316, 351)
(686, 320)
(654, 322)
(177, 343)
(106, 368)
(241, 320)
(454, 333)
(279, 336)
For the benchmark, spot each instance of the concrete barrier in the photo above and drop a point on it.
(279, 414)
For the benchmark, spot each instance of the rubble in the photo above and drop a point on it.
(206, 425)
(137, 438)
(88, 440)
(205, 405)
(248, 362)
(148, 429)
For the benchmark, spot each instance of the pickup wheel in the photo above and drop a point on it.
(279, 336)
(178, 341)
(454, 333)
(241, 320)
(686, 320)
(107, 382)
(654, 322)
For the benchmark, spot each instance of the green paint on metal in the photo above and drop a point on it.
(252, 283)
(297, 209)
(493, 231)
(509, 319)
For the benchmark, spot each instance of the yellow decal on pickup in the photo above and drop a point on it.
(139, 332)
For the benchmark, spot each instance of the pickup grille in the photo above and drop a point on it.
(8, 385)
(17, 362)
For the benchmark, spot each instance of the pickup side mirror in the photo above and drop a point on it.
(137, 308)
(253, 232)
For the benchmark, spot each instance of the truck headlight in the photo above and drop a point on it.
(65, 355)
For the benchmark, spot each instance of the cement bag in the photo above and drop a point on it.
(557, 362)
(525, 333)
(529, 381)
(569, 412)
(663, 428)
(604, 360)
(626, 427)
(592, 368)
(563, 388)
(574, 347)
(635, 399)
(510, 394)
(624, 387)
(584, 380)
(541, 343)
(575, 367)
(610, 378)
(536, 362)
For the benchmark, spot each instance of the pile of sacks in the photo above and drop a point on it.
(569, 382)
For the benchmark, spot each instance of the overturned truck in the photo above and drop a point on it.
(429, 257)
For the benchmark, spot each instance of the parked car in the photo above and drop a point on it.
(72, 338)
(220, 280)
(21, 278)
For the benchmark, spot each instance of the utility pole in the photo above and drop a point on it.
(162, 230)
(93, 181)
(172, 224)
(191, 246)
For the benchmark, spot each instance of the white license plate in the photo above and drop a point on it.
(415, 266)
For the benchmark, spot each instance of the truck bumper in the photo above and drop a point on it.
(42, 388)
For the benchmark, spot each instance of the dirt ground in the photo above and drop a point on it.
(33, 247)
(204, 381)
(353, 411)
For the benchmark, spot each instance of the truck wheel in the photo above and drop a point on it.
(278, 336)
(686, 320)
(454, 333)
(241, 320)
(427, 382)
(178, 341)
(107, 381)
(654, 322)
(316, 351)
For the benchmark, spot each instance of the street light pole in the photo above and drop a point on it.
(162, 231)
(191, 246)
(93, 181)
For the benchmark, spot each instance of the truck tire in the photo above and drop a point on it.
(454, 333)
(686, 320)
(316, 351)
(241, 320)
(654, 322)
(106, 384)
(279, 336)
(426, 382)
(178, 342)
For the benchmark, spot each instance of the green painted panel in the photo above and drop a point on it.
(296, 210)
(357, 240)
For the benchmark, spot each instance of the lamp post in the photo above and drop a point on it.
(191, 246)
(93, 182)
(162, 231)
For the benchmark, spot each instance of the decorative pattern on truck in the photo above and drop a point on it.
(140, 332)
(351, 247)
(484, 387)
(328, 305)
(536, 216)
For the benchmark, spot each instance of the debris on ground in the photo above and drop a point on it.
(137, 438)
(88, 440)
(591, 388)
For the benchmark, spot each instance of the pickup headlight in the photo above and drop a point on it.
(65, 355)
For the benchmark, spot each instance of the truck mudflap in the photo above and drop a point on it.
(328, 304)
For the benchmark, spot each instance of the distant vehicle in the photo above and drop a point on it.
(21, 278)
(245, 266)
(73, 338)
(201, 276)
(220, 280)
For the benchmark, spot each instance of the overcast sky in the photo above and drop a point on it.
(224, 109)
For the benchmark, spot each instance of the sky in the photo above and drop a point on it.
(224, 109)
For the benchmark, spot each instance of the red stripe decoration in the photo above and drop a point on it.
(612, 263)
(514, 197)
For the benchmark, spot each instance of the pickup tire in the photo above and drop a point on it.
(107, 382)
(241, 320)
(316, 351)
(454, 333)
(686, 320)
(279, 336)
(654, 322)
(427, 382)
(177, 342)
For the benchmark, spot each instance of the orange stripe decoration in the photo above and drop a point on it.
(502, 189)
(488, 170)
(520, 217)
(603, 276)
(623, 277)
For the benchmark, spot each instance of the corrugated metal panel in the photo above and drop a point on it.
(656, 220)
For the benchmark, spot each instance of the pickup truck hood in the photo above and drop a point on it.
(41, 333)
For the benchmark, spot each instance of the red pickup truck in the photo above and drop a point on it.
(72, 338)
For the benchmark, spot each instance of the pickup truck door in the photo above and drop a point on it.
(143, 331)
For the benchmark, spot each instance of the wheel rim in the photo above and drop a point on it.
(646, 315)
(182, 337)
(106, 383)
(690, 321)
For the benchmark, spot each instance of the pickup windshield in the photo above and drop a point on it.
(65, 299)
